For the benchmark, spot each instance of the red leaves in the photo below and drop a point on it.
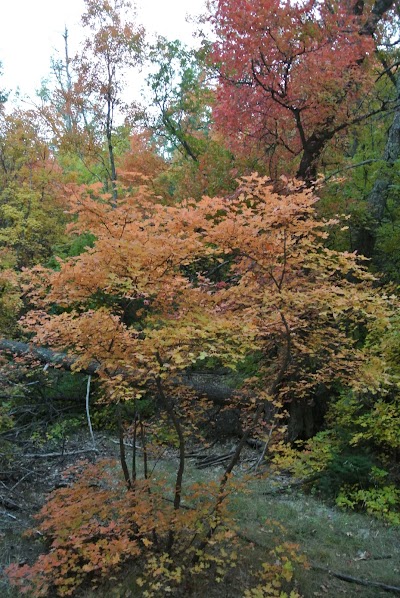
(292, 74)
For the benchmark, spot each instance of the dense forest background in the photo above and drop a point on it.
(219, 261)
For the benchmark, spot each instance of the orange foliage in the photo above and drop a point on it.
(137, 296)
(147, 302)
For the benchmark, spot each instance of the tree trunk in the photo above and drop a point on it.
(313, 148)
(377, 199)
(314, 145)
(111, 157)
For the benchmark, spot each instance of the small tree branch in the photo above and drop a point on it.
(359, 581)
(88, 412)
(350, 166)
(122, 453)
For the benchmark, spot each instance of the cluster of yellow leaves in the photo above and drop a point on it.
(382, 502)
(31, 210)
(273, 575)
(10, 300)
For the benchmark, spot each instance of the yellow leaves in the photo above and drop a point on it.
(10, 301)
(287, 571)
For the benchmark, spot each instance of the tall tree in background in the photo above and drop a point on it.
(294, 75)
(31, 207)
(180, 96)
(384, 189)
(3, 93)
(114, 45)
(89, 95)
(180, 100)
(60, 98)
(31, 182)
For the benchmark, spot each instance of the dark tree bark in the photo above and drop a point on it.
(377, 199)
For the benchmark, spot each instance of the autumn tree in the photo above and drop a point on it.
(87, 108)
(293, 76)
(32, 218)
(113, 46)
(143, 164)
(56, 103)
(180, 95)
(144, 306)
(31, 210)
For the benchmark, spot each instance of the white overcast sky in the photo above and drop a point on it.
(30, 32)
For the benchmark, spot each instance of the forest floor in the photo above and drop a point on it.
(334, 541)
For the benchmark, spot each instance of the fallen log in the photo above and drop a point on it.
(9, 504)
(210, 460)
(216, 386)
(45, 355)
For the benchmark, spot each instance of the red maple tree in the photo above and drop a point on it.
(293, 75)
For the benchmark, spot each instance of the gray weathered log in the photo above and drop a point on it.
(57, 455)
(216, 386)
(45, 355)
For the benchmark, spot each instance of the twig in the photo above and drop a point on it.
(12, 516)
(21, 480)
(380, 557)
(128, 444)
(256, 465)
(350, 166)
(88, 412)
(159, 457)
(54, 455)
(357, 580)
